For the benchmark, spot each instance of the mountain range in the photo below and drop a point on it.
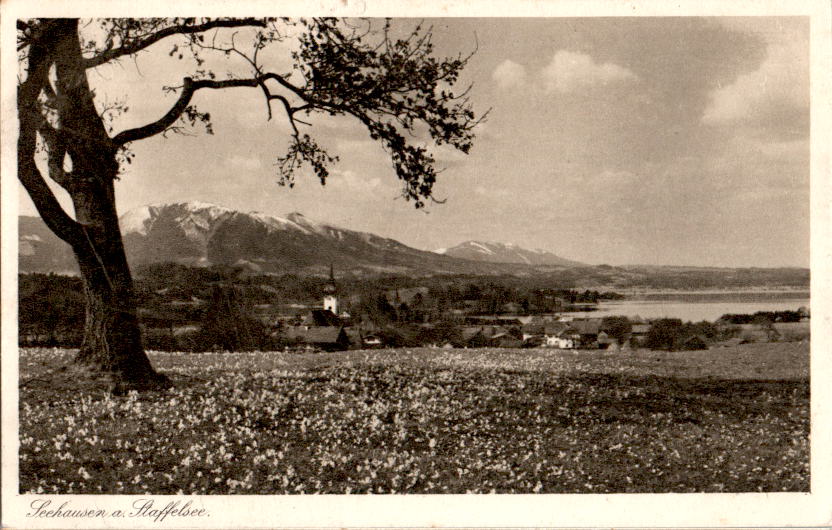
(202, 234)
(506, 253)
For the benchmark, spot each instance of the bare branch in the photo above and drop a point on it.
(188, 88)
(179, 29)
(286, 105)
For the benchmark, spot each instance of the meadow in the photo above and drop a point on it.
(732, 419)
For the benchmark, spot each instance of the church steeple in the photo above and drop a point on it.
(331, 293)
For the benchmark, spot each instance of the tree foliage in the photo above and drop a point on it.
(617, 328)
(664, 334)
(395, 87)
(672, 334)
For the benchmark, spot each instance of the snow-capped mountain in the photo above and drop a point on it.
(196, 233)
(202, 234)
(505, 253)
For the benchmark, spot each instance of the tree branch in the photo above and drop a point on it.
(56, 151)
(46, 204)
(30, 117)
(189, 87)
(391, 88)
(179, 29)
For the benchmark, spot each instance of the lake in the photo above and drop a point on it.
(699, 306)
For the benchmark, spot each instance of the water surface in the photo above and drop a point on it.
(690, 310)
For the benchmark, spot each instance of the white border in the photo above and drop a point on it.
(780, 509)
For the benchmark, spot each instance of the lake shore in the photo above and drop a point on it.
(761, 291)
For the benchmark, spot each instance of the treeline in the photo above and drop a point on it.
(369, 303)
(51, 313)
(50, 310)
(699, 278)
(188, 308)
(380, 300)
(197, 309)
(173, 281)
(226, 322)
(672, 334)
(761, 317)
(185, 282)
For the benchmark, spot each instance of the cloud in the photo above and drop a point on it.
(509, 74)
(775, 96)
(571, 71)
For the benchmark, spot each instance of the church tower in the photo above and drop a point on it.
(331, 294)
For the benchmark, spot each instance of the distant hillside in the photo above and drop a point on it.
(506, 253)
(201, 234)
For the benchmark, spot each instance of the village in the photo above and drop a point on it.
(187, 309)
(331, 328)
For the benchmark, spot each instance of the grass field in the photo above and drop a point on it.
(426, 421)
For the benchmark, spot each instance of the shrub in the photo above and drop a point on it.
(228, 325)
(663, 334)
(617, 328)
(671, 334)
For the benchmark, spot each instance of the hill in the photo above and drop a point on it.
(40, 250)
(506, 253)
(202, 234)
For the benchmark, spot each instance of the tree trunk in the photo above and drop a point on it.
(112, 339)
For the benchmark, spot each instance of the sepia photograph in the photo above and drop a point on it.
(391, 256)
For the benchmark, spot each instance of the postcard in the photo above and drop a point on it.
(394, 264)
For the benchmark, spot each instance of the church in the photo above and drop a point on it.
(331, 294)
(322, 328)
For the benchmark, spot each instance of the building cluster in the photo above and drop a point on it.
(326, 329)
(551, 332)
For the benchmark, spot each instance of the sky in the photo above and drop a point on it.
(664, 141)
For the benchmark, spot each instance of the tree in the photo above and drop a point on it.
(51, 309)
(229, 324)
(617, 328)
(393, 86)
(664, 334)
(376, 308)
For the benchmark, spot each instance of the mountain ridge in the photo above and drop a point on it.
(203, 234)
(495, 252)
